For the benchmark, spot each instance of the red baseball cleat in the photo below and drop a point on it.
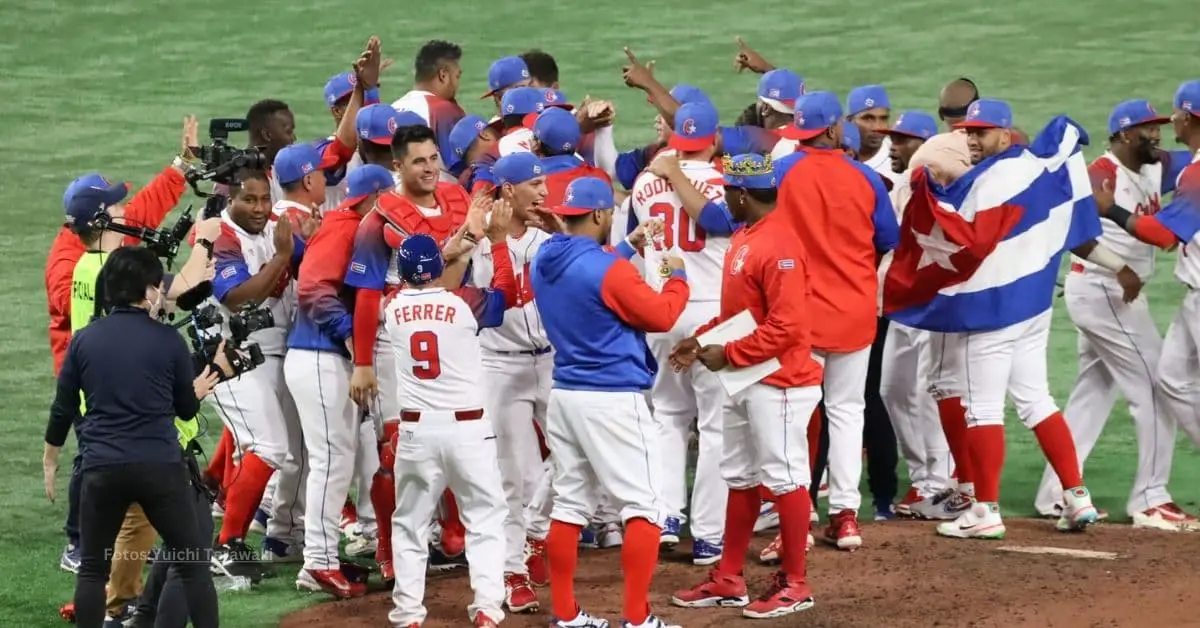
(535, 562)
(784, 597)
(904, 507)
(333, 582)
(518, 594)
(719, 589)
(843, 531)
(387, 572)
(483, 621)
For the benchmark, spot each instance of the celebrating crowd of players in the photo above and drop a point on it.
(515, 400)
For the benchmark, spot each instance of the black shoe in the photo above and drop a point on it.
(438, 561)
(240, 559)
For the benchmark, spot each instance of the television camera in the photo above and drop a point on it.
(219, 161)
(203, 327)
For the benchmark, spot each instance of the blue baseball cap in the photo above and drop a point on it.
(464, 133)
(376, 123)
(916, 124)
(987, 113)
(557, 129)
(505, 73)
(584, 196)
(695, 127)
(339, 86)
(555, 98)
(296, 162)
(815, 113)
(779, 89)
(750, 171)
(366, 180)
(851, 138)
(89, 195)
(1187, 97)
(516, 168)
(522, 101)
(1132, 113)
(867, 97)
(685, 94)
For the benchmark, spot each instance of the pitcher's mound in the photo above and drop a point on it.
(904, 575)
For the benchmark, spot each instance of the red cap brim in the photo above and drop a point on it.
(1153, 120)
(690, 144)
(352, 201)
(382, 141)
(792, 132)
(563, 210)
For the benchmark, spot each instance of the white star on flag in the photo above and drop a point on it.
(935, 248)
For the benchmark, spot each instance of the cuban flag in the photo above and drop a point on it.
(984, 252)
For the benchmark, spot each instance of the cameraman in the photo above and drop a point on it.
(254, 259)
(137, 376)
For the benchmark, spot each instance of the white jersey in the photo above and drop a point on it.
(276, 189)
(1187, 263)
(703, 255)
(519, 140)
(1139, 192)
(434, 335)
(522, 329)
(255, 250)
(881, 162)
(620, 228)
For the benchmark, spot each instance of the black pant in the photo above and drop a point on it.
(166, 496)
(163, 603)
(73, 490)
(879, 439)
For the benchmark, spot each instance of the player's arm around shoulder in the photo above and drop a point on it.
(780, 272)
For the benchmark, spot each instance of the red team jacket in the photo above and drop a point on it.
(766, 272)
(561, 170)
(324, 320)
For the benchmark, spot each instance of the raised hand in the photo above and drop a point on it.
(664, 165)
(497, 229)
(748, 58)
(636, 74)
(369, 64)
(284, 244)
(191, 136)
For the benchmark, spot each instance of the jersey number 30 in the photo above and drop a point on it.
(690, 234)
(423, 347)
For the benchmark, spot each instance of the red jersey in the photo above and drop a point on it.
(766, 272)
(561, 170)
(324, 318)
(147, 208)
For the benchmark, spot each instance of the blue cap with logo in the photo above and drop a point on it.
(584, 196)
(851, 138)
(557, 130)
(816, 112)
(366, 180)
(866, 97)
(685, 94)
(916, 124)
(419, 259)
(505, 73)
(1132, 113)
(1187, 97)
(296, 162)
(554, 98)
(987, 113)
(516, 168)
(339, 86)
(89, 195)
(464, 133)
(522, 101)
(376, 123)
(780, 88)
(750, 171)
(695, 127)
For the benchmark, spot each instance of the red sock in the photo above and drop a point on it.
(562, 556)
(794, 509)
(245, 492)
(639, 557)
(986, 444)
(383, 498)
(452, 521)
(814, 437)
(740, 513)
(216, 464)
(1058, 445)
(954, 424)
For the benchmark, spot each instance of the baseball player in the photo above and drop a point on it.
(556, 137)
(1174, 224)
(435, 86)
(778, 90)
(504, 74)
(253, 266)
(841, 212)
(445, 438)
(422, 204)
(869, 108)
(765, 274)
(470, 139)
(596, 309)
(517, 367)
(687, 194)
(339, 90)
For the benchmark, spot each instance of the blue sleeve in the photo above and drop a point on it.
(1174, 163)
(371, 256)
(298, 248)
(716, 220)
(230, 274)
(887, 230)
(487, 305)
(736, 140)
(371, 97)
(624, 249)
(483, 170)
(629, 165)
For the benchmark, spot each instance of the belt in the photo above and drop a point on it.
(539, 351)
(412, 416)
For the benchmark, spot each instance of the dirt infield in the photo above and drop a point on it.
(904, 576)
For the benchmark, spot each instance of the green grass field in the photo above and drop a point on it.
(103, 86)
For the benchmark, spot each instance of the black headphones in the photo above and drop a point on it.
(959, 112)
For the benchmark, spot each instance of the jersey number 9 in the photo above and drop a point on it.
(691, 235)
(423, 347)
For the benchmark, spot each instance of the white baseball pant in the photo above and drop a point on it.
(679, 398)
(1119, 349)
(765, 433)
(904, 387)
(366, 463)
(604, 441)
(537, 511)
(1178, 368)
(437, 452)
(321, 384)
(845, 401)
(944, 370)
(517, 389)
(1005, 362)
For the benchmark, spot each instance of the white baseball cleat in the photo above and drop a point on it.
(947, 505)
(609, 535)
(768, 518)
(581, 620)
(770, 555)
(1078, 512)
(1169, 517)
(651, 622)
(364, 545)
(980, 521)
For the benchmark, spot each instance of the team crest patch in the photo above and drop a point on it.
(306, 168)
(358, 267)
(799, 118)
(524, 73)
(870, 102)
(787, 264)
(537, 169)
(480, 125)
(551, 96)
(1124, 121)
(508, 109)
(689, 127)
(353, 79)
(391, 125)
(1186, 105)
(570, 196)
(973, 110)
(739, 260)
(772, 93)
(228, 272)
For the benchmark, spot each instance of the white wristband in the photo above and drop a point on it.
(1106, 258)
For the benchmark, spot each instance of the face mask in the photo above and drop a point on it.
(158, 305)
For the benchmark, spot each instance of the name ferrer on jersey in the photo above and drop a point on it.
(438, 361)
(522, 328)
(702, 254)
(1140, 191)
